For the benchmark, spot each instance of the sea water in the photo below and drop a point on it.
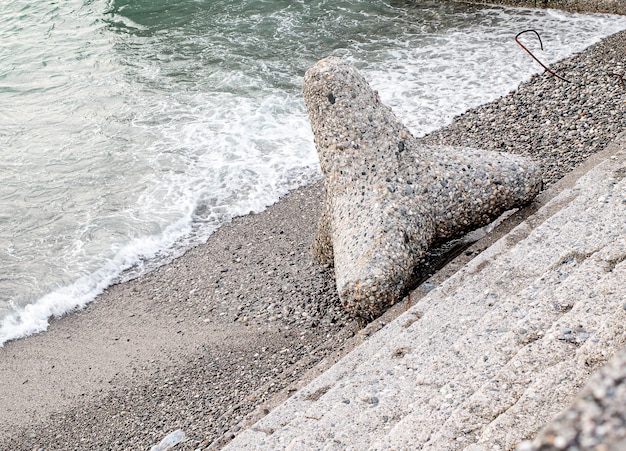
(131, 129)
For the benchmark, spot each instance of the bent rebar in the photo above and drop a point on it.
(534, 57)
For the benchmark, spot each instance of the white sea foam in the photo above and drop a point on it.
(172, 132)
(33, 318)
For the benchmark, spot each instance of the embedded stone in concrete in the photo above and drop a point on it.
(595, 420)
(389, 198)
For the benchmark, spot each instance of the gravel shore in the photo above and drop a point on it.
(223, 333)
(556, 123)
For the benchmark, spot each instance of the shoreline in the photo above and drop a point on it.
(207, 342)
(580, 6)
(140, 335)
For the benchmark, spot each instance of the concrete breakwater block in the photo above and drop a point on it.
(389, 198)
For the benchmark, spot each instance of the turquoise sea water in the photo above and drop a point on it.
(131, 129)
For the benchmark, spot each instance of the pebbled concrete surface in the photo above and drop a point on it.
(388, 197)
(489, 357)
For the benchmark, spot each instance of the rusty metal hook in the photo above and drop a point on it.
(621, 78)
(534, 57)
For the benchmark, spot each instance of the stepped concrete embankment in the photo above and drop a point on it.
(489, 357)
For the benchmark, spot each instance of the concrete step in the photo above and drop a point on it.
(485, 360)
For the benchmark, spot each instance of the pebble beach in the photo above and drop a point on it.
(213, 340)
